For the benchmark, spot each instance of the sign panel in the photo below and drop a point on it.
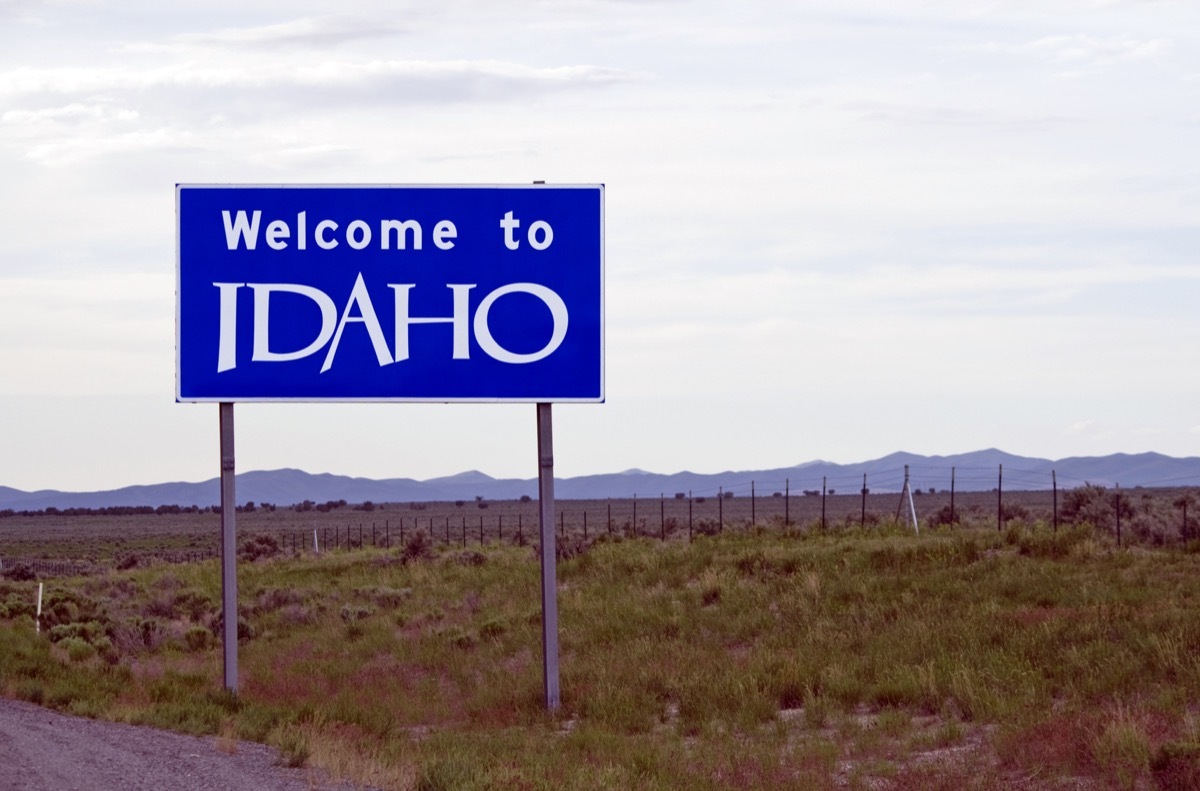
(390, 293)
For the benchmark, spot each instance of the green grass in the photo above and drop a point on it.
(752, 659)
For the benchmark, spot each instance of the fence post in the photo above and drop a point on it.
(662, 516)
(1054, 484)
(862, 522)
(823, 526)
(753, 516)
(720, 509)
(1000, 500)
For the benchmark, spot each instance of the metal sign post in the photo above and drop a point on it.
(545, 433)
(229, 549)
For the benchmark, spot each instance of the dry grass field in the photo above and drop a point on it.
(760, 655)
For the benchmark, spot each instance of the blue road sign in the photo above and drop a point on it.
(390, 293)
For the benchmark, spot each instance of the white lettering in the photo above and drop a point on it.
(358, 234)
(322, 227)
(547, 233)
(398, 230)
(510, 225)
(276, 232)
(461, 349)
(227, 333)
(241, 230)
(262, 320)
(366, 315)
(558, 312)
(444, 234)
(360, 309)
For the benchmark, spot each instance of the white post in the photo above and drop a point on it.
(38, 625)
(316, 545)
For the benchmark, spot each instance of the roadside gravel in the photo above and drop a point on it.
(42, 750)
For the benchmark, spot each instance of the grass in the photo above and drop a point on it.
(749, 659)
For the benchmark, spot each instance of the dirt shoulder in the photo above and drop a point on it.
(42, 750)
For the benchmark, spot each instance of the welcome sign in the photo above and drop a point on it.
(390, 293)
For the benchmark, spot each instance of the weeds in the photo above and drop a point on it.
(953, 659)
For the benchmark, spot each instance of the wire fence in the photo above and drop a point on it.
(917, 497)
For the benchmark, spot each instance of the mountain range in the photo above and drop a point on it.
(976, 471)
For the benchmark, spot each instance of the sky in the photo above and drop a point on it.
(833, 230)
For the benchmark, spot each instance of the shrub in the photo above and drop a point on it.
(15, 606)
(944, 517)
(77, 649)
(197, 638)
(355, 612)
(260, 546)
(418, 546)
(271, 599)
(1094, 505)
(135, 634)
(245, 630)
(19, 572)
(89, 632)
(491, 629)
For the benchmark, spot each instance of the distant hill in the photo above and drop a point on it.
(976, 471)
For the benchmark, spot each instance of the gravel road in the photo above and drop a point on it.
(42, 750)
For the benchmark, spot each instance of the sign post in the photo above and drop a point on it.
(545, 434)
(404, 293)
(229, 609)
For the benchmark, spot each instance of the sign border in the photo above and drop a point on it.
(179, 187)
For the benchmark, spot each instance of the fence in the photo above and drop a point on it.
(1158, 514)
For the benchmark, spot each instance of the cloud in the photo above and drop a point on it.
(1096, 51)
(435, 79)
(305, 32)
(1082, 53)
(951, 116)
(60, 115)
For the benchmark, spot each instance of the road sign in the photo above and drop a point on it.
(390, 293)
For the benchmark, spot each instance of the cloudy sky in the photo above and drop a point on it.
(834, 229)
